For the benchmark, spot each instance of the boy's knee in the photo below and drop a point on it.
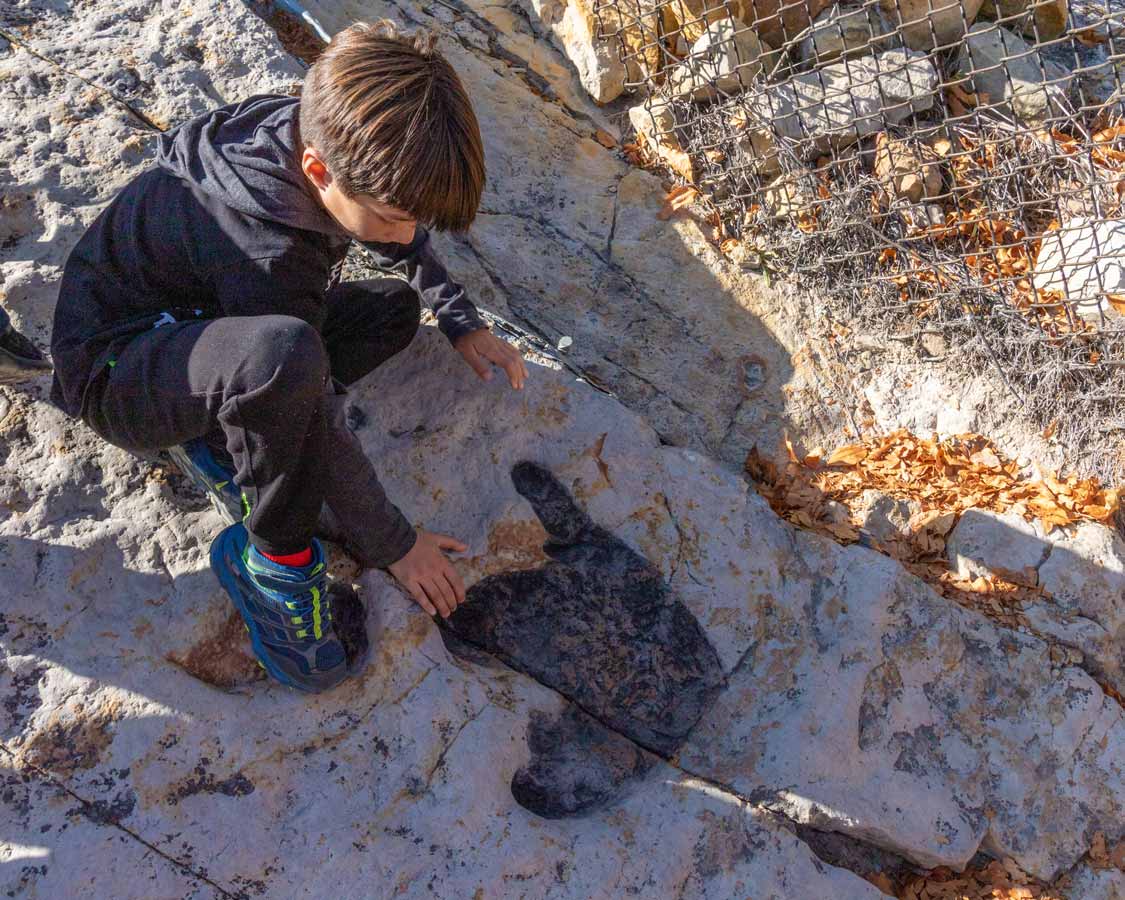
(290, 353)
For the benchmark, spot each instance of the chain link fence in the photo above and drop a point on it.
(949, 167)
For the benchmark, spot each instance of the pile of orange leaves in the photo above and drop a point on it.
(941, 479)
(995, 881)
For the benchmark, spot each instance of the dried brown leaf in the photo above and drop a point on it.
(606, 139)
(848, 456)
(676, 199)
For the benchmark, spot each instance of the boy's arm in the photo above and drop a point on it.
(419, 264)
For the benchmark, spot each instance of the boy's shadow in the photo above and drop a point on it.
(599, 625)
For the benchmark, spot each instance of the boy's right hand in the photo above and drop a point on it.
(429, 576)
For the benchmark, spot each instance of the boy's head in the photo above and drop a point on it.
(389, 136)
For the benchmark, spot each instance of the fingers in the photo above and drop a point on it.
(509, 359)
(441, 595)
(420, 598)
(428, 575)
(445, 542)
(477, 363)
(456, 584)
(516, 373)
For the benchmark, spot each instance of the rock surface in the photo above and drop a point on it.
(1097, 884)
(886, 518)
(597, 60)
(1006, 545)
(1040, 20)
(1081, 571)
(657, 315)
(838, 104)
(1013, 76)
(930, 24)
(834, 683)
(842, 31)
(725, 58)
(1085, 576)
(1084, 261)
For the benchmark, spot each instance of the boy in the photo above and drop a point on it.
(202, 311)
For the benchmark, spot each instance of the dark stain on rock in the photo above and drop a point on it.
(598, 624)
(203, 782)
(577, 764)
(919, 751)
(22, 699)
(846, 852)
(109, 812)
(882, 686)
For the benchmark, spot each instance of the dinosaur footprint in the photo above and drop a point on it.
(599, 625)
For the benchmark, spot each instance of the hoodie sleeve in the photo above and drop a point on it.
(419, 264)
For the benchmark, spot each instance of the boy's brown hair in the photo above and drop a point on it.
(390, 118)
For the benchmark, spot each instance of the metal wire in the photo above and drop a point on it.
(954, 166)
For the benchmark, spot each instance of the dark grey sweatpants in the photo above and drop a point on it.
(265, 382)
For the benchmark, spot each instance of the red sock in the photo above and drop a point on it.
(303, 558)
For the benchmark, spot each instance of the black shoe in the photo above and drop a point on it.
(20, 359)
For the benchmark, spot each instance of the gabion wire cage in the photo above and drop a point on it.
(948, 166)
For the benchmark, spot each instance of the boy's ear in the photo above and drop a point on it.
(315, 169)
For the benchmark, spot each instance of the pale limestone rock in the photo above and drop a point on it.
(1014, 77)
(597, 59)
(1001, 544)
(653, 118)
(726, 58)
(791, 194)
(1085, 576)
(849, 32)
(869, 706)
(1085, 262)
(930, 24)
(906, 171)
(1039, 20)
(1089, 883)
(837, 105)
(114, 631)
(885, 518)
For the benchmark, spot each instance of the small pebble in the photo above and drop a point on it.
(564, 342)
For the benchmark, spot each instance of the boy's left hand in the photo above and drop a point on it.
(482, 347)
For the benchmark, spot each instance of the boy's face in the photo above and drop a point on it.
(363, 217)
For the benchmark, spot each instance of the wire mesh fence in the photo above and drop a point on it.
(943, 166)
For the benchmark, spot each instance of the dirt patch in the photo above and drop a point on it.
(223, 659)
(72, 739)
(512, 546)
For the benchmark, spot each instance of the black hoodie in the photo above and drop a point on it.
(225, 224)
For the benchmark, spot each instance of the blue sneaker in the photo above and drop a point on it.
(195, 459)
(288, 612)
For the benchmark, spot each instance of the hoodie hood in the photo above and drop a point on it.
(245, 155)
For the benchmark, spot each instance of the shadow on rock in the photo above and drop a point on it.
(599, 625)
